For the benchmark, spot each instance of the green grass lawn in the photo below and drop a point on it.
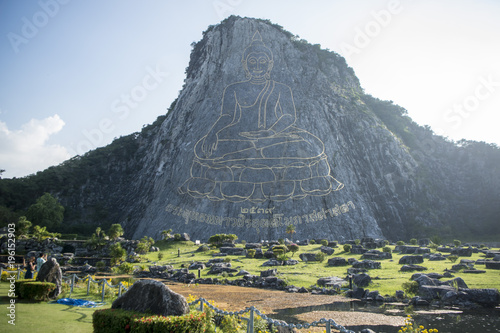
(47, 317)
(386, 280)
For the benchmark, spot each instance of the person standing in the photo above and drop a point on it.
(30, 268)
(40, 261)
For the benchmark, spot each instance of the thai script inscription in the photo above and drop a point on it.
(274, 221)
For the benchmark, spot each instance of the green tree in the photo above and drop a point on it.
(115, 231)
(22, 226)
(118, 253)
(290, 229)
(413, 241)
(46, 212)
(457, 243)
(166, 233)
(293, 248)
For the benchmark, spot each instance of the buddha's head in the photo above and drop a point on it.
(257, 60)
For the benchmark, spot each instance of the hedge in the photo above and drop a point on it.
(17, 286)
(118, 321)
(38, 291)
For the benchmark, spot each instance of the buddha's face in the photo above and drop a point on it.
(258, 64)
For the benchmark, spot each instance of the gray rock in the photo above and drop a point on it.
(492, 264)
(412, 268)
(331, 281)
(307, 257)
(269, 272)
(367, 264)
(150, 296)
(462, 251)
(327, 250)
(337, 261)
(51, 272)
(362, 280)
(411, 260)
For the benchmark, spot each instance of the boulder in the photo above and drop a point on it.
(362, 280)
(406, 249)
(197, 265)
(376, 255)
(358, 249)
(331, 281)
(337, 261)
(234, 251)
(327, 250)
(307, 257)
(367, 264)
(185, 237)
(411, 260)
(253, 246)
(462, 251)
(150, 296)
(436, 257)
(492, 264)
(412, 268)
(269, 272)
(51, 272)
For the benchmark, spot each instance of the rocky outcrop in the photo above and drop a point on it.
(150, 296)
(51, 272)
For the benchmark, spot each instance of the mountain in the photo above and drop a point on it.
(269, 131)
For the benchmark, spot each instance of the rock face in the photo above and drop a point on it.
(51, 272)
(232, 157)
(152, 296)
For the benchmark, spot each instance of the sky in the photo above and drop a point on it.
(75, 74)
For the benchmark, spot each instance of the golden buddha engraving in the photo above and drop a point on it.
(254, 151)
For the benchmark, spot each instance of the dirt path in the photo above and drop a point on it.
(233, 298)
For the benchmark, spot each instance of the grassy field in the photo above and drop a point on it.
(48, 317)
(386, 280)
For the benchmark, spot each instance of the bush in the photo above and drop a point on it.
(457, 243)
(410, 288)
(293, 248)
(320, 256)
(18, 283)
(117, 320)
(347, 247)
(126, 268)
(452, 258)
(324, 242)
(37, 291)
(386, 242)
(281, 241)
(387, 249)
(219, 239)
(312, 242)
(251, 253)
(400, 243)
(357, 241)
(177, 237)
(100, 265)
(413, 241)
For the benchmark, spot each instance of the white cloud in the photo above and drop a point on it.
(26, 151)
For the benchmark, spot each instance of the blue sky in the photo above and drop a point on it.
(76, 74)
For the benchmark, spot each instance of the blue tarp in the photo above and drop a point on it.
(79, 302)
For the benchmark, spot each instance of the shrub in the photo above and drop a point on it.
(117, 320)
(410, 288)
(203, 248)
(320, 256)
(324, 242)
(126, 268)
(100, 265)
(18, 283)
(293, 248)
(400, 243)
(312, 242)
(281, 241)
(160, 256)
(452, 258)
(117, 253)
(387, 249)
(251, 253)
(177, 237)
(436, 239)
(413, 241)
(347, 247)
(457, 243)
(386, 242)
(219, 239)
(38, 291)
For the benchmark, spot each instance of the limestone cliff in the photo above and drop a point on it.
(249, 150)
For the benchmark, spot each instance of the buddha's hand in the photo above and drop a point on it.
(258, 134)
(210, 144)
